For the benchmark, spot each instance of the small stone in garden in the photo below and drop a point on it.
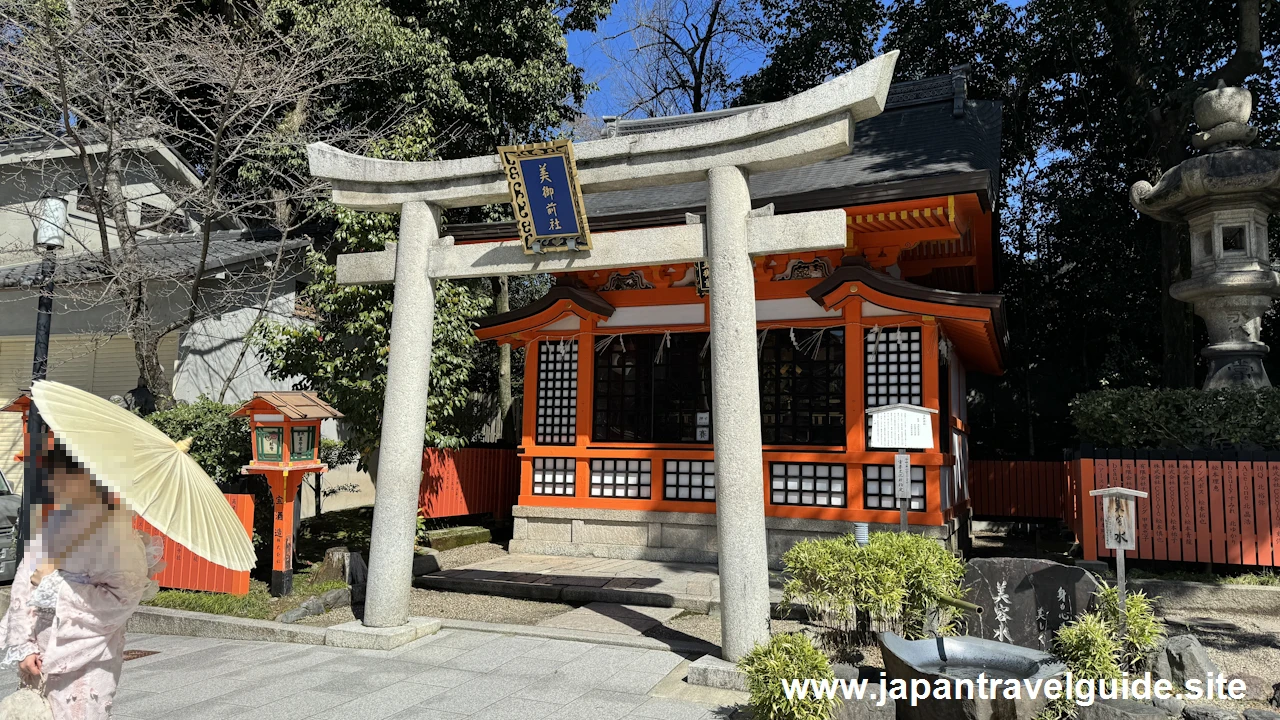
(1119, 710)
(1024, 601)
(313, 605)
(1255, 714)
(1172, 706)
(1255, 688)
(1188, 659)
(1275, 695)
(292, 616)
(1208, 712)
(339, 597)
(866, 708)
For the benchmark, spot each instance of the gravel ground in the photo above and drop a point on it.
(1240, 644)
(705, 627)
(469, 554)
(459, 606)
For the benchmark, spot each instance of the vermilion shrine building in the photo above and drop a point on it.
(617, 459)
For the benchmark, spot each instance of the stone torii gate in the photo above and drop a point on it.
(815, 125)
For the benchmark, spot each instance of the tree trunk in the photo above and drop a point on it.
(146, 351)
(502, 303)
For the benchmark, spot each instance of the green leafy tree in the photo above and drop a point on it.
(452, 79)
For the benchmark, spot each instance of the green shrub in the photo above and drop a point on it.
(1143, 631)
(1089, 647)
(220, 443)
(891, 584)
(786, 657)
(1184, 419)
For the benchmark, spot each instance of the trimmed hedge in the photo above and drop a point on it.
(1179, 419)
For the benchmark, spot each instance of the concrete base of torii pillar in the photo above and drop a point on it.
(812, 126)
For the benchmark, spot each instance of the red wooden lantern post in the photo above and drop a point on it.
(285, 431)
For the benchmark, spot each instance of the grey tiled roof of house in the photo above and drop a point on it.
(167, 256)
(928, 128)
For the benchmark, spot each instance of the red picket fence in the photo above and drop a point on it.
(468, 481)
(1018, 489)
(1202, 507)
(185, 570)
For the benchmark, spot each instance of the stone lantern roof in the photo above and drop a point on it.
(1228, 167)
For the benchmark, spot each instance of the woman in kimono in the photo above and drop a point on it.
(83, 575)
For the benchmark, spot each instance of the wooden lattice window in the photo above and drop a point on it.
(879, 492)
(689, 480)
(557, 392)
(802, 387)
(621, 478)
(893, 366)
(809, 484)
(553, 476)
(653, 388)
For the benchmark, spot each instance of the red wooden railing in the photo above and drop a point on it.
(185, 570)
(468, 481)
(1202, 507)
(1018, 489)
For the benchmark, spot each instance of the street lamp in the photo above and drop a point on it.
(50, 236)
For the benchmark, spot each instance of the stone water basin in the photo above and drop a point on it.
(961, 658)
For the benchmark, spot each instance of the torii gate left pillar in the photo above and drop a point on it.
(815, 125)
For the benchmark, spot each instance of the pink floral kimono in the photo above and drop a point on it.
(75, 619)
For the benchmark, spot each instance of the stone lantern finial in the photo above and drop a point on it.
(1223, 118)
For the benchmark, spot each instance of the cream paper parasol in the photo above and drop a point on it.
(150, 472)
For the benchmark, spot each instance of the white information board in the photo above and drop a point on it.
(901, 427)
(902, 476)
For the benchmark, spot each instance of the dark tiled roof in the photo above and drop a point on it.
(929, 141)
(908, 143)
(167, 256)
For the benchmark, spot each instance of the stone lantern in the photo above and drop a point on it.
(1225, 195)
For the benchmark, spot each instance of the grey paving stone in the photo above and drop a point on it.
(148, 705)
(463, 699)
(443, 677)
(211, 710)
(598, 705)
(418, 712)
(529, 667)
(631, 683)
(465, 638)
(519, 709)
(302, 705)
(432, 654)
(559, 650)
(555, 688)
(383, 703)
(368, 678)
(667, 709)
(483, 659)
(655, 661)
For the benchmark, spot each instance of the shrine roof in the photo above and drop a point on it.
(293, 404)
(930, 140)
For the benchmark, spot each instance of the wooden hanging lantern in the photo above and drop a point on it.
(284, 429)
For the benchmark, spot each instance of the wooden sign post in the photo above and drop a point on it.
(902, 427)
(1119, 530)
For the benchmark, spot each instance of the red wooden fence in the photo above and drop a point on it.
(1202, 507)
(468, 481)
(187, 571)
(1018, 489)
